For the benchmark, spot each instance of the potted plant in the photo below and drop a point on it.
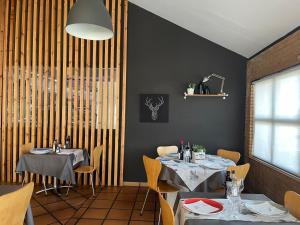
(198, 152)
(191, 88)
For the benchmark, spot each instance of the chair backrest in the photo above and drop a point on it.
(26, 148)
(166, 211)
(13, 205)
(96, 157)
(241, 171)
(292, 203)
(232, 155)
(165, 150)
(152, 168)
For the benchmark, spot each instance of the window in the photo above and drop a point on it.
(276, 137)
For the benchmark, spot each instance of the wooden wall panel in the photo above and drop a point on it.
(61, 85)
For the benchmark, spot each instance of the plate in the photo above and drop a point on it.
(219, 207)
(39, 151)
(266, 208)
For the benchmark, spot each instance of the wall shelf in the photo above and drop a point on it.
(223, 95)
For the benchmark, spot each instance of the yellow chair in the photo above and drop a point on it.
(13, 205)
(167, 212)
(232, 155)
(241, 171)
(292, 203)
(24, 150)
(165, 150)
(153, 168)
(91, 168)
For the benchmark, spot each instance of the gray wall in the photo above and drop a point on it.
(163, 58)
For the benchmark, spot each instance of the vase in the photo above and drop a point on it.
(190, 91)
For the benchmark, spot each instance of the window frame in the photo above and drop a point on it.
(272, 121)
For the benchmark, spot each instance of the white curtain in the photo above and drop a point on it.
(277, 120)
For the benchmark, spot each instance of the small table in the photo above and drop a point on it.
(186, 195)
(5, 189)
(195, 176)
(55, 165)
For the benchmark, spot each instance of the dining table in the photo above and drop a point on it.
(185, 217)
(203, 175)
(59, 165)
(8, 188)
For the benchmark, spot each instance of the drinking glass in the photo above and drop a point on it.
(233, 196)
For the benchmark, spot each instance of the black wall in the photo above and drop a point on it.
(163, 58)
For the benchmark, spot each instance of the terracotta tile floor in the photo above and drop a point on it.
(110, 206)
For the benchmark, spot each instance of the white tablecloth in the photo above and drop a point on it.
(193, 174)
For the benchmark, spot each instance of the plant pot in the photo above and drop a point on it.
(198, 155)
(190, 91)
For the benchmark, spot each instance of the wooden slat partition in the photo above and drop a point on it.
(16, 88)
(2, 37)
(4, 95)
(53, 85)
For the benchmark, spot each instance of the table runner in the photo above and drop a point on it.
(78, 154)
(183, 214)
(52, 164)
(196, 221)
(193, 174)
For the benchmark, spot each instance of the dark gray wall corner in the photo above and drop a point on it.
(163, 58)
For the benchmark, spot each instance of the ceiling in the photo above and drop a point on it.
(243, 26)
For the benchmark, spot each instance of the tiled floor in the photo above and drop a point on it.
(110, 206)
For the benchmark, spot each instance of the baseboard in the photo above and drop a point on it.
(135, 184)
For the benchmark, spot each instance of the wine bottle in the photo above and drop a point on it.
(227, 180)
(181, 151)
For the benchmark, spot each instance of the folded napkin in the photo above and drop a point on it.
(200, 207)
(265, 209)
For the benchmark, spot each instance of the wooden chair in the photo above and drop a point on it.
(91, 168)
(167, 212)
(292, 203)
(24, 150)
(241, 171)
(153, 168)
(13, 205)
(165, 150)
(232, 155)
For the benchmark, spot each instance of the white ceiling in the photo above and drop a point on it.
(243, 26)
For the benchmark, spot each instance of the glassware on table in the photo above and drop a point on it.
(233, 194)
(187, 156)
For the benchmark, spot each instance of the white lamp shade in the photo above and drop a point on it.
(89, 19)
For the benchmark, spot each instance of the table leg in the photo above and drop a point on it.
(205, 186)
(29, 217)
(55, 187)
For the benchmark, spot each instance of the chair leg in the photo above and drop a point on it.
(23, 180)
(68, 189)
(142, 210)
(159, 216)
(92, 180)
(100, 184)
(44, 184)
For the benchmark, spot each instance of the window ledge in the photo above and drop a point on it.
(277, 169)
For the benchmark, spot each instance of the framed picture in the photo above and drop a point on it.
(154, 108)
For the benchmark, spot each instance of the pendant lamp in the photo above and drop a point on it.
(89, 19)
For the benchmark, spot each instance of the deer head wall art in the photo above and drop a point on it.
(154, 107)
